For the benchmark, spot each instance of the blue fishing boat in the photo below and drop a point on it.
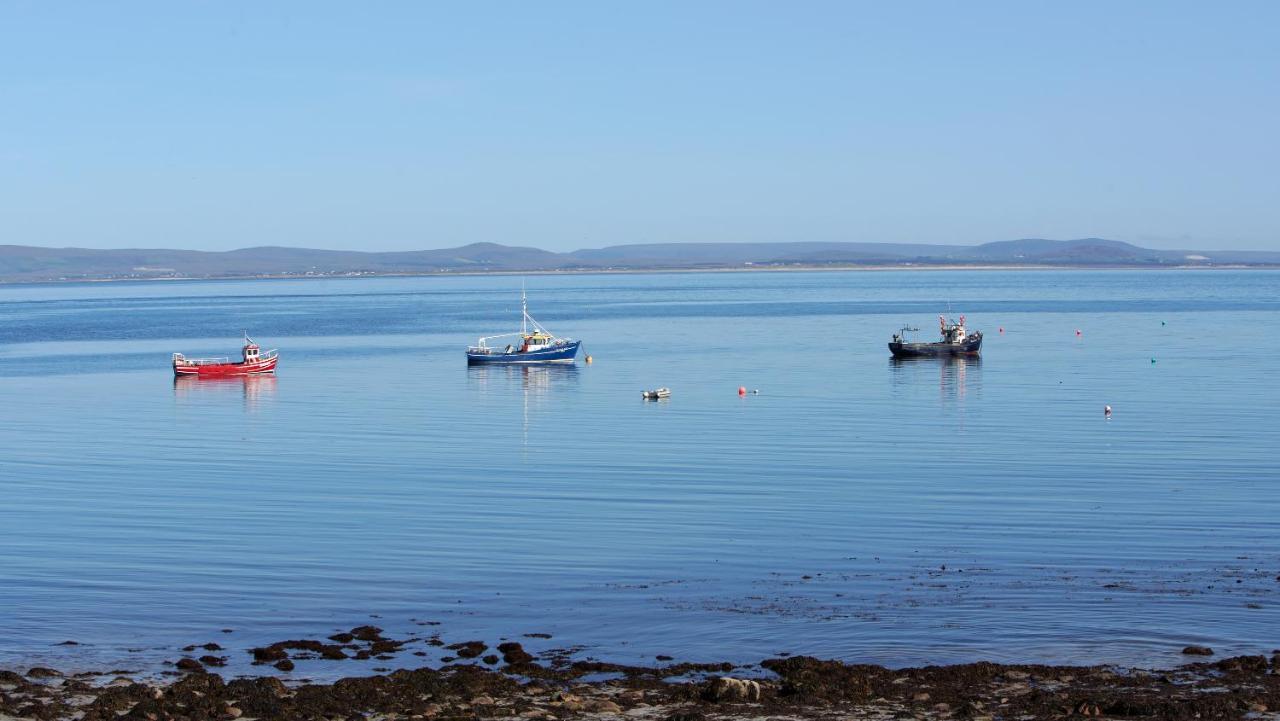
(537, 345)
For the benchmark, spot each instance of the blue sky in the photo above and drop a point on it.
(217, 125)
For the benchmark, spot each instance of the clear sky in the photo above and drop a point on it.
(403, 125)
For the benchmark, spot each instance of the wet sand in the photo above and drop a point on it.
(480, 680)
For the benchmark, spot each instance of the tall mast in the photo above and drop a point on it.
(524, 311)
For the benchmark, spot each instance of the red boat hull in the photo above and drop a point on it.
(226, 370)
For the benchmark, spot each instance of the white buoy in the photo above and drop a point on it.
(1106, 411)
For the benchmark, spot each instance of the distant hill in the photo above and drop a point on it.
(721, 254)
(24, 263)
(34, 264)
(1085, 251)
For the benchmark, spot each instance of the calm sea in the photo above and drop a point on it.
(899, 513)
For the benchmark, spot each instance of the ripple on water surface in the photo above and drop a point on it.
(857, 507)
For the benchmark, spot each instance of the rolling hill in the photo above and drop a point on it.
(36, 264)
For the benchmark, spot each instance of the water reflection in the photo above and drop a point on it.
(253, 389)
(956, 376)
(533, 379)
(537, 383)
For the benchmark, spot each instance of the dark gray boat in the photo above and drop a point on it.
(956, 341)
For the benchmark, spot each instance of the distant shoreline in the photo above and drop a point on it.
(33, 264)
(647, 271)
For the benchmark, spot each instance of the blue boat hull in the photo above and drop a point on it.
(556, 354)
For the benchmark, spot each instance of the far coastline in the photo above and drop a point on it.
(648, 271)
(30, 264)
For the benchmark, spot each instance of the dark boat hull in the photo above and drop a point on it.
(556, 354)
(970, 347)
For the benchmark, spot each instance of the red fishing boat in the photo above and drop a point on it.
(253, 361)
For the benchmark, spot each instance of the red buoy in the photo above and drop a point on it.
(742, 390)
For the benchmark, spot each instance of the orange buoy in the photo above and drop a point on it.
(742, 390)
(588, 359)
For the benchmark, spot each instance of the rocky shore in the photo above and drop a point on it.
(505, 681)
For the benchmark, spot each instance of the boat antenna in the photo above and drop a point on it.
(524, 311)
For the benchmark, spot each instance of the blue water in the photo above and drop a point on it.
(898, 513)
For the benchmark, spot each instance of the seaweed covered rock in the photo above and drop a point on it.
(806, 679)
(514, 654)
(468, 649)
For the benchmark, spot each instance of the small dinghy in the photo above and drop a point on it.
(253, 361)
(956, 341)
(655, 394)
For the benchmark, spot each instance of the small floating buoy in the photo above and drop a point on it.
(1106, 411)
(1001, 329)
(1161, 322)
(1153, 360)
(1077, 332)
(588, 360)
(742, 390)
(755, 392)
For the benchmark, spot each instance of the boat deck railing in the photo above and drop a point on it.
(224, 360)
(484, 348)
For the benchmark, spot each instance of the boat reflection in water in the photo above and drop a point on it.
(956, 375)
(537, 384)
(253, 389)
(533, 379)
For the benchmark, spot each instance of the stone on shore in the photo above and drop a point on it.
(468, 649)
